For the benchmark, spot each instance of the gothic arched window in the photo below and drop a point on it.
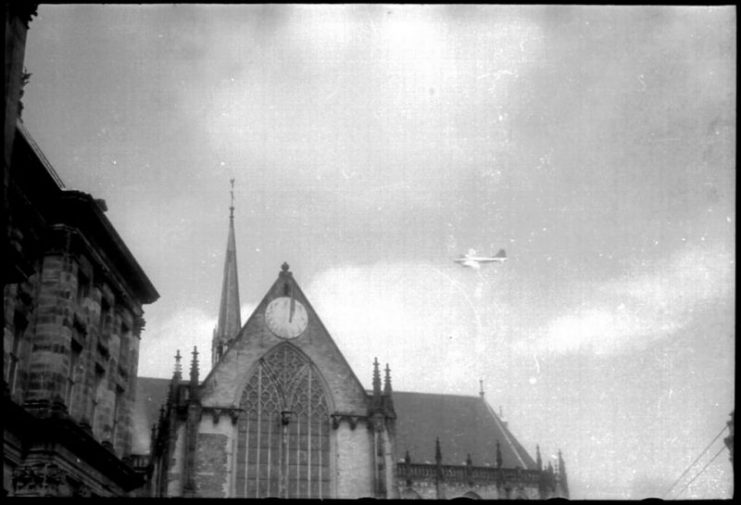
(283, 441)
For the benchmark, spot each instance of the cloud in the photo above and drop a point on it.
(404, 312)
(355, 97)
(182, 330)
(643, 307)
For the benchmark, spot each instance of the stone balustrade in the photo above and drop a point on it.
(464, 473)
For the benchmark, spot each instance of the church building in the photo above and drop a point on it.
(282, 414)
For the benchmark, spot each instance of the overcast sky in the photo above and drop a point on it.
(371, 145)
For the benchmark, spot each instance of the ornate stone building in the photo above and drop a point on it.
(72, 318)
(281, 414)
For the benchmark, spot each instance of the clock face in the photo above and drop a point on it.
(286, 317)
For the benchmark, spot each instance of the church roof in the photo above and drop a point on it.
(464, 424)
(151, 393)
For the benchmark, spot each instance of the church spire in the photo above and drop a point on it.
(230, 320)
(175, 381)
(376, 380)
(388, 400)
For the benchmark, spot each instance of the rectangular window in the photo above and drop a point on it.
(105, 316)
(83, 287)
(117, 411)
(97, 398)
(73, 373)
(19, 328)
(123, 355)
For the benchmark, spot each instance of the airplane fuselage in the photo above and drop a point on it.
(480, 260)
(471, 260)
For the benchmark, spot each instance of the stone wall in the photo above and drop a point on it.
(353, 465)
(18, 308)
(78, 346)
(175, 463)
(214, 456)
(212, 465)
(431, 481)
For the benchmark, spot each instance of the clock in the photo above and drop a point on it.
(286, 317)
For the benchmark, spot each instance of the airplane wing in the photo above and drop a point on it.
(471, 264)
(501, 254)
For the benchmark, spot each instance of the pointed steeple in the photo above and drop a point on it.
(438, 452)
(562, 474)
(178, 373)
(388, 400)
(499, 455)
(194, 368)
(387, 381)
(560, 461)
(539, 461)
(175, 381)
(376, 379)
(230, 320)
(152, 438)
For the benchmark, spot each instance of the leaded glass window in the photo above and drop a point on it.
(283, 441)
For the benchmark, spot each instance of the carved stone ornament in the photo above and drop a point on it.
(234, 414)
(351, 419)
(41, 479)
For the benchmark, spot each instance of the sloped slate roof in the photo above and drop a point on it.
(151, 393)
(464, 424)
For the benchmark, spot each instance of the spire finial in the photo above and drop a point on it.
(176, 377)
(230, 320)
(539, 459)
(481, 388)
(194, 367)
(178, 367)
(231, 207)
(438, 452)
(387, 381)
(376, 379)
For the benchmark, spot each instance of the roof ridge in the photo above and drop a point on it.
(473, 397)
(507, 435)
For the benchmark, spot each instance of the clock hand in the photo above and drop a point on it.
(293, 308)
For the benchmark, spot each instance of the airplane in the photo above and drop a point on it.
(471, 260)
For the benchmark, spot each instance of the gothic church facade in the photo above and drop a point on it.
(282, 414)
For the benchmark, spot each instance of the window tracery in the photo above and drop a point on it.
(283, 438)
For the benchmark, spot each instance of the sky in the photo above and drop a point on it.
(373, 144)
